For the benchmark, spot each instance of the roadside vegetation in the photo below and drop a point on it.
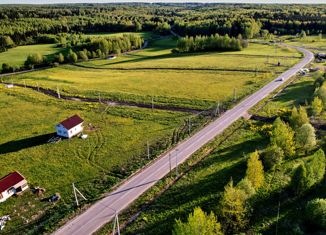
(267, 176)
(263, 175)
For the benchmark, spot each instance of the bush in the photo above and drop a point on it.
(272, 156)
(316, 212)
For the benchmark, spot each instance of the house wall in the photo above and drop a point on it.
(8, 193)
(61, 131)
(75, 130)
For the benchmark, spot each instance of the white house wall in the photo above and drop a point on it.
(75, 130)
(61, 131)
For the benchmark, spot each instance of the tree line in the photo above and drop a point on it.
(24, 23)
(211, 43)
(80, 48)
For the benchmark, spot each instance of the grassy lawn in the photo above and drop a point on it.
(114, 149)
(17, 56)
(190, 80)
(204, 184)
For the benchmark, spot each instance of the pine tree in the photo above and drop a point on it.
(233, 208)
(255, 170)
(317, 106)
(198, 223)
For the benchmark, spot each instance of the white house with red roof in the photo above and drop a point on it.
(12, 184)
(70, 127)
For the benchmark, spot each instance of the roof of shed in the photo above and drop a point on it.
(10, 180)
(72, 122)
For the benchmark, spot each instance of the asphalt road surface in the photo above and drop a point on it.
(104, 210)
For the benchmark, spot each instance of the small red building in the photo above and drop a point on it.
(12, 184)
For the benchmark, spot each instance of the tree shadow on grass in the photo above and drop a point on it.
(156, 57)
(16, 145)
(298, 93)
(181, 199)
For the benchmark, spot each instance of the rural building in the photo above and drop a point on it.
(12, 184)
(70, 127)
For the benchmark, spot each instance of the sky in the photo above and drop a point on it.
(115, 1)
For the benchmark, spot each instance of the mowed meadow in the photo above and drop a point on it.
(184, 80)
(17, 56)
(116, 147)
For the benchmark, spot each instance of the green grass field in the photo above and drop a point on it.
(145, 35)
(204, 184)
(116, 146)
(17, 56)
(191, 80)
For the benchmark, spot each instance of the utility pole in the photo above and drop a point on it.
(152, 102)
(176, 163)
(58, 92)
(99, 97)
(116, 224)
(234, 94)
(148, 153)
(217, 110)
(75, 193)
(170, 162)
(189, 126)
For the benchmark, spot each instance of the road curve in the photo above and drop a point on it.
(104, 210)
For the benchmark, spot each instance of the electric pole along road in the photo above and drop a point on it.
(105, 209)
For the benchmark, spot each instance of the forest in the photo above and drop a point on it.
(27, 24)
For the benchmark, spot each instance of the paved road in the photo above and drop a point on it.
(104, 210)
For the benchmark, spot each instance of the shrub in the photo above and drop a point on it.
(316, 212)
(272, 156)
(198, 223)
(255, 170)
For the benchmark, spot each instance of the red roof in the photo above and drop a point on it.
(72, 122)
(10, 180)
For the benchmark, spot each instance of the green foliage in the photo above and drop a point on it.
(83, 55)
(303, 35)
(298, 117)
(316, 168)
(246, 186)
(309, 174)
(283, 136)
(272, 156)
(305, 137)
(211, 43)
(317, 106)
(255, 170)
(34, 59)
(315, 212)
(298, 181)
(198, 223)
(60, 58)
(6, 42)
(233, 208)
(72, 56)
(322, 94)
